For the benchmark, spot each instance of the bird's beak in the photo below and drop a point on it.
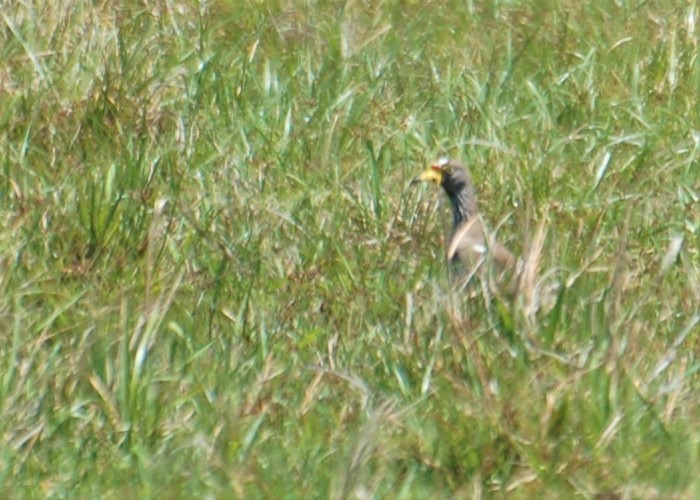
(430, 175)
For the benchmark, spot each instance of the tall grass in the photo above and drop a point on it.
(216, 279)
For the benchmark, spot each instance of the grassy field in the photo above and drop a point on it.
(216, 280)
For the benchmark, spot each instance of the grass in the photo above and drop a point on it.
(216, 280)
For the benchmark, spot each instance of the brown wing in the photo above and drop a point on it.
(503, 257)
(469, 246)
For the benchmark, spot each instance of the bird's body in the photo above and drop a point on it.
(468, 246)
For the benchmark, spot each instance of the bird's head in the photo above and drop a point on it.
(448, 173)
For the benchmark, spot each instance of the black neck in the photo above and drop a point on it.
(463, 205)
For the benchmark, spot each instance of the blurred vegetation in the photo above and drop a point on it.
(216, 280)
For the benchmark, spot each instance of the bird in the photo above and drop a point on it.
(468, 247)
